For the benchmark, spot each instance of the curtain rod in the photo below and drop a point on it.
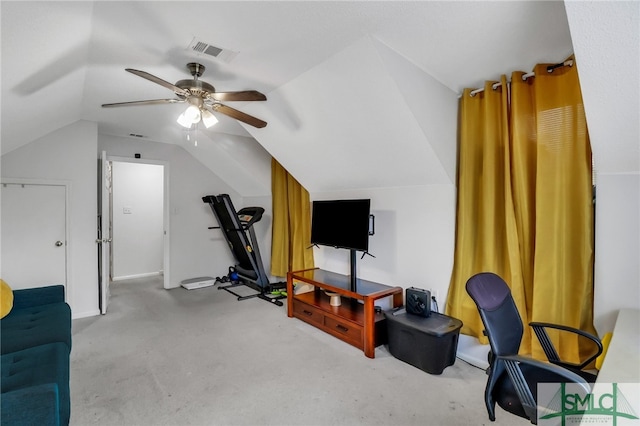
(550, 69)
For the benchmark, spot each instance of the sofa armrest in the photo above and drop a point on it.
(35, 405)
(38, 296)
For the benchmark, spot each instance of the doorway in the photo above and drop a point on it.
(137, 219)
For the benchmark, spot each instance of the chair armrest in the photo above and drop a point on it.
(513, 366)
(539, 329)
(38, 296)
(35, 405)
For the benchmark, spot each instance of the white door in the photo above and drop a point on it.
(33, 233)
(104, 233)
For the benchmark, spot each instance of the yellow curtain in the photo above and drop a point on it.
(486, 236)
(552, 143)
(523, 176)
(544, 250)
(291, 230)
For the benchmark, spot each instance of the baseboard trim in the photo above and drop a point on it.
(130, 277)
(85, 314)
(472, 351)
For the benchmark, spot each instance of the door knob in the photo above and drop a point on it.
(59, 243)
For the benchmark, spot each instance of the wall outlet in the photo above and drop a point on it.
(126, 210)
(435, 295)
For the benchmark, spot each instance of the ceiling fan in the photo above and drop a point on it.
(202, 98)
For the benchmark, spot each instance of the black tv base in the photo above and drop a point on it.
(352, 269)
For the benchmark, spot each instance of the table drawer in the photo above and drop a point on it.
(349, 332)
(307, 313)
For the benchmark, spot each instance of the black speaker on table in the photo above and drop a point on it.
(418, 301)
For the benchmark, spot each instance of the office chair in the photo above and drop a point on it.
(513, 378)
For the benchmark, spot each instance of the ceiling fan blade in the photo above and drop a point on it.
(147, 102)
(247, 95)
(239, 115)
(159, 81)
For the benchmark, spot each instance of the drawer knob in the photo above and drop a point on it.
(342, 328)
(307, 313)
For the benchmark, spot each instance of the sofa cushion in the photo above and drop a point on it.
(28, 297)
(35, 325)
(38, 366)
(6, 299)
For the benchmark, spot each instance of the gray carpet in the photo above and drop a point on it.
(201, 357)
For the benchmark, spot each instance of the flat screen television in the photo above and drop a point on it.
(341, 224)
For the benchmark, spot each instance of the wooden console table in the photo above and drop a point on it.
(354, 321)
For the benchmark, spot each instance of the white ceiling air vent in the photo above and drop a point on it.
(203, 48)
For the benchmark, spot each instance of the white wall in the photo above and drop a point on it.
(617, 265)
(195, 250)
(138, 225)
(606, 38)
(69, 154)
(414, 239)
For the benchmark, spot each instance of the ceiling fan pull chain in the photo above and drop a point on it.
(195, 132)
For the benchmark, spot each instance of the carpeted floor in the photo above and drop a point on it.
(201, 357)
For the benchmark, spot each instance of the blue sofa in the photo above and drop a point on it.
(35, 345)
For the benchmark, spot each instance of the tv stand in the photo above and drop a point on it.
(353, 321)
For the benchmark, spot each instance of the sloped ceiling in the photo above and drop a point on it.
(359, 93)
(336, 136)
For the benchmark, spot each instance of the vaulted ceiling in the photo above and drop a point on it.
(359, 94)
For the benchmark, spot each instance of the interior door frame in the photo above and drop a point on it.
(166, 210)
(67, 196)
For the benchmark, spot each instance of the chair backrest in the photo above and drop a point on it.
(502, 322)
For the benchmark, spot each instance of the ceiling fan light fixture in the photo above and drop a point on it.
(208, 119)
(183, 121)
(190, 116)
(192, 113)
